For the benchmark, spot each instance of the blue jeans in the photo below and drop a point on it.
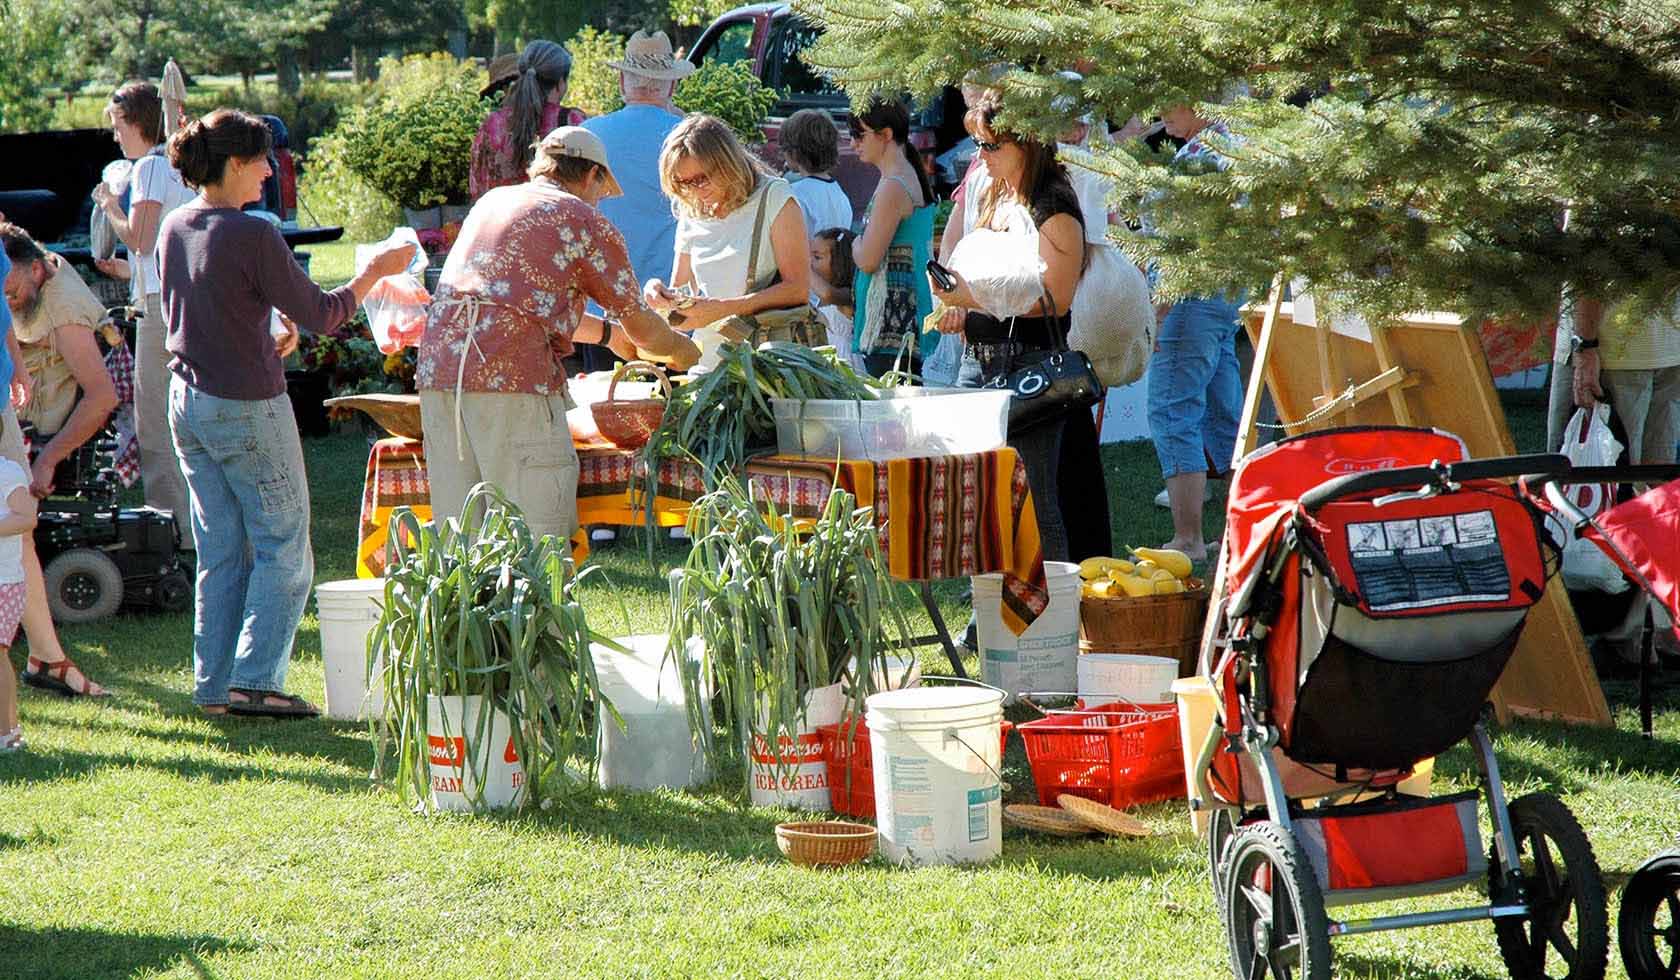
(1195, 387)
(250, 517)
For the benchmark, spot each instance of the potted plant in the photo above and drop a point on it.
(414, 142)
(484, 655)
(796, 617)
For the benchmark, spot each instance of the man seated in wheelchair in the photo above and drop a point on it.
(55, 317)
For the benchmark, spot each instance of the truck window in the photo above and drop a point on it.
(733, 42)
(784, 65)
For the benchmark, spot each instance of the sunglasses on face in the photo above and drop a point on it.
(697, 182)
(858, 130)
(987, 147)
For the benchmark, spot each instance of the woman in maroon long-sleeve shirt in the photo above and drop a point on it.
(223, 271)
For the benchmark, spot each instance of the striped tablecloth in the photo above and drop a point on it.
(939, 516)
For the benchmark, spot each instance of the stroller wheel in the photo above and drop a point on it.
(1567, 921)
(1648, 927)
(1273, 910)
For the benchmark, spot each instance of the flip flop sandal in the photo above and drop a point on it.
(257, 704)
(54, 677)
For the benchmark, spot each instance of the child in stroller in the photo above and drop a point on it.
(1378, 582)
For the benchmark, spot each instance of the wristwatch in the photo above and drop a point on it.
(1577, 343)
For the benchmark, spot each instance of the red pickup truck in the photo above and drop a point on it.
(769, 37)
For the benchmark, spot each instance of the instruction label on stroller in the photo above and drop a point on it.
(1429, 561)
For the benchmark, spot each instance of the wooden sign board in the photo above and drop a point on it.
(1427, 371)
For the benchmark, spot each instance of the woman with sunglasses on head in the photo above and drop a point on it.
(891, 290)
(743, 260)
(1028, 195)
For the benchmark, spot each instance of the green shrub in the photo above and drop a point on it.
(313, 111)
(594, 83)
(330, 193)
(412, 141)
(731, 93)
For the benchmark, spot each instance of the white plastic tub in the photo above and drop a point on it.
(347, 610)
(1133, 677)
(655, 748)
(937, 754)
(904, 422)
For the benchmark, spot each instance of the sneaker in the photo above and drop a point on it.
(679, 534)
(1165, 503)
(602, 535)
(12, 741)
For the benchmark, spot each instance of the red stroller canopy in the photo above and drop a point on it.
(1642, 536)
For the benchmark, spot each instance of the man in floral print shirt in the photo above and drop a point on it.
(510, 304)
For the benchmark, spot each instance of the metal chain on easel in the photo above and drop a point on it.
(1340, 403)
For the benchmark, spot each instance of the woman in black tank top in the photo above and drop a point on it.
(1064, 468)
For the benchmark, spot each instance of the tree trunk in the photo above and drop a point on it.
(361, 63)
(500, 47)
(456, 43)
(245, 77)
(286, 71)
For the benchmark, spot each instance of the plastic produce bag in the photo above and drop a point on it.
(1588, 441)
(1003, 270)
(396, 305)
(1113, 321)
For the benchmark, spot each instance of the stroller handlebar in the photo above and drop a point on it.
(1436, 476)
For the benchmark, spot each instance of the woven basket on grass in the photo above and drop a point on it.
(628, 424)
(1167, 625)
(825, 843)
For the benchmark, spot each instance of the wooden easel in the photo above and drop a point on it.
(1427, 370)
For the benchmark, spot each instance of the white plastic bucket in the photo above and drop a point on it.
(1044, 656)
(794, 774)
(452, 726)
(937, 754)
(1134, 677)
(655, 748)
(347, 610)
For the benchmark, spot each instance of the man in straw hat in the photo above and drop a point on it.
(508, 308)
(647, 76)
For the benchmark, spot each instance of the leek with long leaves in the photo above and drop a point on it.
(484, 607)
(783, 606)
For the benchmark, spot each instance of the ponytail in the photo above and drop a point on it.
(201, 148)
(891, 114)
(542, 66)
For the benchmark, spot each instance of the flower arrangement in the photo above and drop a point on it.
(438, 241)
(353, 364)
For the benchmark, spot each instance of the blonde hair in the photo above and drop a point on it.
(708, 140)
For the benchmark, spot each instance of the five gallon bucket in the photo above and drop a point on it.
(936, 752)
(1043, 657)
(347, 610)
(655, 748)
(461, 754)
(793, 773)
(1134, 677)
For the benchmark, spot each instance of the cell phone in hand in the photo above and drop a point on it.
(941, 275)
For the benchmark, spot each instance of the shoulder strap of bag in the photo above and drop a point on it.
(757, 235)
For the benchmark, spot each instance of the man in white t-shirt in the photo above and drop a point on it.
(155, 189)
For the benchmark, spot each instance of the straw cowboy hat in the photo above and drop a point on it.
(502, 70)
(650, 57)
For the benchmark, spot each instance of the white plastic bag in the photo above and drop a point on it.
(1588, 441)
(1113, 321)
(396, 305)
(1003, 270)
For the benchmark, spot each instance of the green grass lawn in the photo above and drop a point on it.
(138, 838)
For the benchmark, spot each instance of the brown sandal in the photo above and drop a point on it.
(55, 677)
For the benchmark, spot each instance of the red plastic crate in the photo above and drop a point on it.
(1120, 754)
(852, 758)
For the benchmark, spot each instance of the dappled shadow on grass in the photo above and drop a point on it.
(35, 838)
(1359, 966)
(39, 765)
(708, 824)
(49, 953)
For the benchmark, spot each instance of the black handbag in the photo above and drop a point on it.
(1058, 383)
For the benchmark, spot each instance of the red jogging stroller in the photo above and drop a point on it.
(1377, 582)
(1642, 536)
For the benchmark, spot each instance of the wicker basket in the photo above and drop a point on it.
(825, 843)
(1166, 625)
(628, 424)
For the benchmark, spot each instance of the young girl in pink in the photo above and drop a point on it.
(17, 520)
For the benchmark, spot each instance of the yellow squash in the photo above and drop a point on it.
(1176, 562)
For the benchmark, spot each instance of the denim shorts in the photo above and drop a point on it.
(1195, 387)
